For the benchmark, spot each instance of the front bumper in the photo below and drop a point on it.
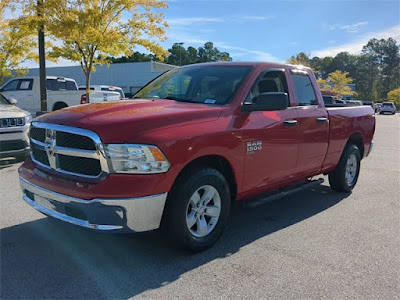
(14, 148)
(122, 215)
(388, 110)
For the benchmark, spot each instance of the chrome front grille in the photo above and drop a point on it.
(12, 122)
(68, 150)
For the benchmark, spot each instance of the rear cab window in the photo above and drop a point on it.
(60, 85)
(391, 104)
(304, 89)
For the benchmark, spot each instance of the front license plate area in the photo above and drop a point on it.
(44, 202)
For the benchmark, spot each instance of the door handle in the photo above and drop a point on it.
(290, 123)
(322, 120)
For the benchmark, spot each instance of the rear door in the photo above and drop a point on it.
(270, 137)
(313, 123)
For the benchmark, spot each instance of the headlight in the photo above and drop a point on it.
(28, 119)
(138, 159)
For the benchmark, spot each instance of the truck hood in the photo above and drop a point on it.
(12, 111)
(119, 122)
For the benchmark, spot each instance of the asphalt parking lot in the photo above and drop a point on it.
(316, 244)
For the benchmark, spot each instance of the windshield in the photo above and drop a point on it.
(197, 84)
(3, 100)
(388, 104)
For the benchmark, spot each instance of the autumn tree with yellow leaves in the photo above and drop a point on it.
(337, 82)
(92, 30)
(89, 31)
(394, 96)
(17, 41)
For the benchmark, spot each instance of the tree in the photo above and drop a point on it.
(208, 53)
(192, 55)
(92, 30)
(300, 59)
(384, 56)
(17, 44)
(321, 66)
(394, 95)
(324, 85)
(135, 57)
(178, 55)
(344, 62)
(339, 82)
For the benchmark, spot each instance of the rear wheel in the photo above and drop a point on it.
(59, 105)
(198, 208)
(345, 175)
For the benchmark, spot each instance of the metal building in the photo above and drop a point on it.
(129, 76)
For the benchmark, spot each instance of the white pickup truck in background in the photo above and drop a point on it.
(61, 92)
(104, 88)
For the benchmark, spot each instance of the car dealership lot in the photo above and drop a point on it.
(316, 244)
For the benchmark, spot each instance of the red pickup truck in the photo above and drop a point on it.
(196, 139)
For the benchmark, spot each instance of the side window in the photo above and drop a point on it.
(304, 90)
(270, 81)
(11, 86)
(57, 85)
(51, 84)
(25, 84)
(71, 86)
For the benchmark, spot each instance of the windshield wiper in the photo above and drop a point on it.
(179, 99)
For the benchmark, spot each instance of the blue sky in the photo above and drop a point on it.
(256, 30)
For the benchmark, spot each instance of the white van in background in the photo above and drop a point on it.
(104, 88)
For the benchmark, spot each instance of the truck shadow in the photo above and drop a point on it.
(48, 259)
(7, 162)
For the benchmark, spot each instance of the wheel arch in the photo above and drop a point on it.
(217, 162)
(356, 139)
(58, 105)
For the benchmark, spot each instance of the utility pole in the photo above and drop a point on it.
(180, 53)
(42, 62)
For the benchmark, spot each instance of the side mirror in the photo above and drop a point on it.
(268, 102)
(13, 101)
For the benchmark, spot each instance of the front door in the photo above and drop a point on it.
(271, 138)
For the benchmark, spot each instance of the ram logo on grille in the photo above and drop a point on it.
(50, 143)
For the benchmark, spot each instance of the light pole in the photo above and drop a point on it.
(42, 62)
(180, 58)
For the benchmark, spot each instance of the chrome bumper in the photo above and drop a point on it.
(125, 215)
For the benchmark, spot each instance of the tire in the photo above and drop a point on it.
(59, 105)
(345, 176)
(192, 222)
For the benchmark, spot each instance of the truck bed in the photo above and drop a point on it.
(346, 121)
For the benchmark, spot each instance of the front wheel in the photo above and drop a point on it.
(345, 175)
(198, 208)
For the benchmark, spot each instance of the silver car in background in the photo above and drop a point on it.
(14, 128)
(387, 107)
